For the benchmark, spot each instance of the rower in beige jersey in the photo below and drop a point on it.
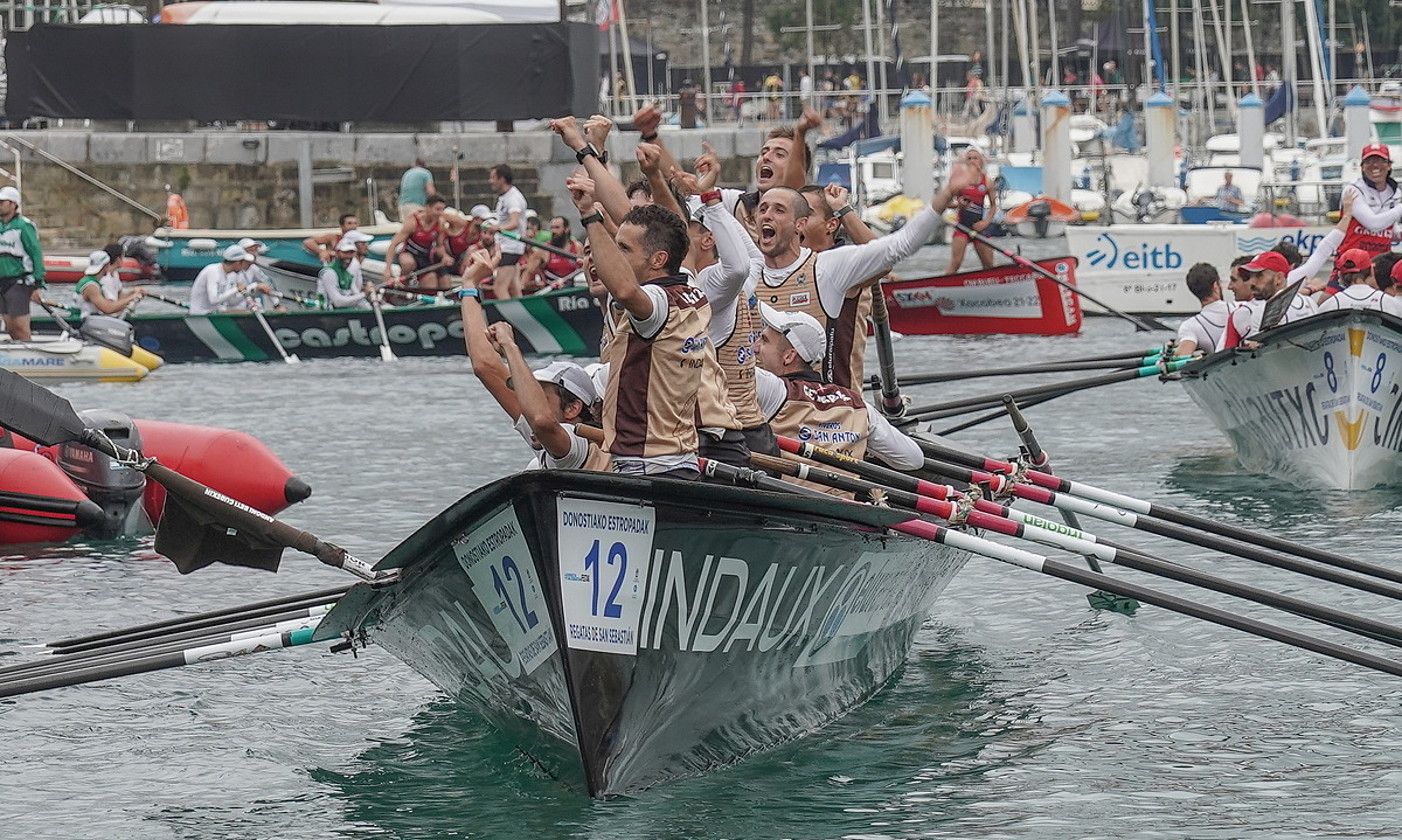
(827, 284)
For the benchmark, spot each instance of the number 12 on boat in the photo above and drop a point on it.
(605, 553)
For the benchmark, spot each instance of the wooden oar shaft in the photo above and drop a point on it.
(319, 596)
(1065, 571)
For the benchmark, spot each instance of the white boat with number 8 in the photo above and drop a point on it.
(1317, 403)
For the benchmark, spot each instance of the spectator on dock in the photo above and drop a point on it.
(415, 186)
(511, 213)
(21, 265)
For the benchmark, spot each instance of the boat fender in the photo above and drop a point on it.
(202, 244)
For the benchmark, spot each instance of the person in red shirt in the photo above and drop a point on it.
(970, 202)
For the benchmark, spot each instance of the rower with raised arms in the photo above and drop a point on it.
(1374, 204)
(660, 350)
(800, 405)
(1271, 274)
(828, 284)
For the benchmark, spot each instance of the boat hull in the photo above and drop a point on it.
(566, 322)
(1318, 404)
(59, 359)
(192, 249)
(1140, 268)
(1007, 299)
(629, 632)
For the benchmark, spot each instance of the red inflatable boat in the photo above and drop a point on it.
(52, 494)
(69, 269)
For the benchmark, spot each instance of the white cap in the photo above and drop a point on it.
(599, 372)
(531, 214)
(234, 253)
(355, 237)
(572, 378)
(247, 243)
(9, 194)
(97, 261)
(802, 330)
(345, 244)
(480, 211)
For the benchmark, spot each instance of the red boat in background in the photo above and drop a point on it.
(69, 269)
(54, 493)
(1005, 299)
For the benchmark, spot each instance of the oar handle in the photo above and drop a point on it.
(544, 246)
(891, 403)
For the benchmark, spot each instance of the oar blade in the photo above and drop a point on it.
(36, 412)
(192, 539)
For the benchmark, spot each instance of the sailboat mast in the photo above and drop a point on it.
(1287, 65)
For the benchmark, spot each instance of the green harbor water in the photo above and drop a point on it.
(1020, 713)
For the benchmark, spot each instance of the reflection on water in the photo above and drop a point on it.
(936, 719)
(1263, 502)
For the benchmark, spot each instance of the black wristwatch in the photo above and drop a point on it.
(589, 149)
(846, 208)
(648, 138)
(596, 216)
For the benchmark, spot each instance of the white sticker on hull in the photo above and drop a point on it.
(498, 562)
(605, 550)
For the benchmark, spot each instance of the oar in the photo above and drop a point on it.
(999, 484)
(241, 536)
(386, 354)
(165, 299)
(544, 246)
(1047, 367)
(952, 408)
(935, 449)
(1068, 572)
(1142, 324)
(206, 619)
(140, 664)
(1037, 458)
(148, 647)
(994, 415)
(891, 403)
(1000, 520)
(289, 358)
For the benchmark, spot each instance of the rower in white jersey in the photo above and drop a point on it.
(220, 286)
(827, 285)
(1354, 271)
(1268, 274)
(1204, 329)
(100, 291)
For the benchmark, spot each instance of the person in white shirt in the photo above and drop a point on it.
(339, 282)
(1360, 287)
(221, 287)
(100, 290)
(1267, 274)
(511, 211)
(1205, 328)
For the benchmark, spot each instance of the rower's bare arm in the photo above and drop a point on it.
(400, 237)
(318, 246)
(650, 161)
(609, 191)
(529, 395)
(646, 122)
(795, 173)
(486, 364)
(609, 263)
(838, 199)
(1184, 347)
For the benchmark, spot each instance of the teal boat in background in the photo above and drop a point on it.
(182, 253)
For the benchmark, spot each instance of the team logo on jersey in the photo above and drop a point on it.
(799, 299)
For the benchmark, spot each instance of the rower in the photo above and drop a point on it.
(323, 245)
(1376, 206)
(100, 290)
(659, 355)
(413, 247)
(568, 400)
(340, 284)
(828, 284)
(971, 200)
(1266, 273)
(1354, 270)
(220, 287)
(559, 271)
(252, 272)
(1204, 329)
(800, 405)
(1393, 286)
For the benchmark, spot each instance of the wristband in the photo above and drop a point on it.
(648, 138)
(589, 149)
(846, 208)
(465, 292)
(596, 216)
(710, 195)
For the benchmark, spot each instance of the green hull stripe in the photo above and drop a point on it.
(228, 327)
(524, 321)
(205, 331)
(565, 335)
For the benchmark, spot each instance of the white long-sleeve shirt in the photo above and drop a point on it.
(840, 270)
(328, 285)
(725, 280)
(1374, 209)
(214, 290)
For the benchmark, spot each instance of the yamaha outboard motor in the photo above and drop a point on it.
(106, 331)
(116, 488)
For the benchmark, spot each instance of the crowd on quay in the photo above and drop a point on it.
(1366, 274)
